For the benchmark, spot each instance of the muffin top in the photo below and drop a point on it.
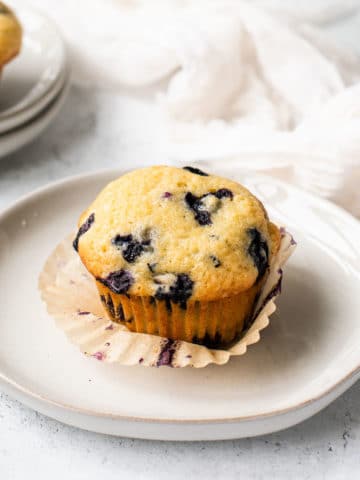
(177, 234)
(10, 34)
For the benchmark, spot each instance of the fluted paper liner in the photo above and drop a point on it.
(72, 298)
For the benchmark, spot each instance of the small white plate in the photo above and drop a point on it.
(17, 138)
(36, 76)
(307, 356)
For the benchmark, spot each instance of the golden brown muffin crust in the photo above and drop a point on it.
(161, 225)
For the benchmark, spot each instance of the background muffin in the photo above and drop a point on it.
(178, 253)
(10, 35)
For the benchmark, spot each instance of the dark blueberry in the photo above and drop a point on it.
(191, 199)
(224, 193)
(201, 206)
(197, 171)
(203, 217)
(132, 252)
(83, 229)
(118, 282)
(178, 292)
(151, 267)
(130, 248)
(215, 261)
(167, 352)
(259, 251)
(141, 360)
(119, 240)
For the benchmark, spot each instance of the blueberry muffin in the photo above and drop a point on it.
(178, 253)
(10, 35)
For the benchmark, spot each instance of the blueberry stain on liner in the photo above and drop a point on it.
(167, 353)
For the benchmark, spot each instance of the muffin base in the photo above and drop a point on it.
(215, 324)
(72, 299)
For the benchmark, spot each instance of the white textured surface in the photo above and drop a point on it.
(96, 130)
(34, 447)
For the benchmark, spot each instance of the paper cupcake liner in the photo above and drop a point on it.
(71, 297)
(214, 323)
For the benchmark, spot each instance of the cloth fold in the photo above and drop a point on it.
(256, 83)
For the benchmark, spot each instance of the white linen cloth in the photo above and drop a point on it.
(251, 83)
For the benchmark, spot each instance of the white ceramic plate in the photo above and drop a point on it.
(17, 138)
(36, 76)
(307, 356)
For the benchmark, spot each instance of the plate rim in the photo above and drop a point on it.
(73, 179)
(15, 139)
(42, 105)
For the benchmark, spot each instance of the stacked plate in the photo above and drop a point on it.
(34, 85)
